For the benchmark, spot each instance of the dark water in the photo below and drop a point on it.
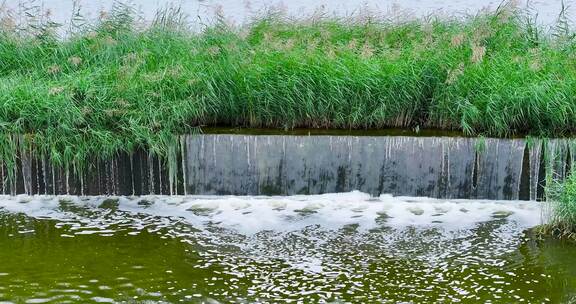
(331, 248)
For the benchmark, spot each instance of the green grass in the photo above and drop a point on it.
(561, 197)
(114, 85)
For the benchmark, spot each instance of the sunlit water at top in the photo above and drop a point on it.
(328, 248)
(240, 11)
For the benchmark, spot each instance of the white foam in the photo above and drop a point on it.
(252, 214)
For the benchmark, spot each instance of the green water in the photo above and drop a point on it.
(313, 249)
(333, 132)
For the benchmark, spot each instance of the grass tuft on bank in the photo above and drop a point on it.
(116, 85)
(561, 200)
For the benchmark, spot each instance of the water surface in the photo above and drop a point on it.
(241, 11)
(323, 248)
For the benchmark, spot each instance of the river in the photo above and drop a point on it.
(348, 247)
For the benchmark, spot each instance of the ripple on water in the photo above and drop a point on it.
(349, 247)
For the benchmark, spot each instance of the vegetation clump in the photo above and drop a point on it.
(561, 215)
(116, 85)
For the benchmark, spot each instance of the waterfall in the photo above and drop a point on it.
(443, 167)
(440, 167)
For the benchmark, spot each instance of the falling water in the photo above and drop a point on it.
(440, 167)
(381, 244)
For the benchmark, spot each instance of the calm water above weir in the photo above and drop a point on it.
(334, 248)
(240, 11)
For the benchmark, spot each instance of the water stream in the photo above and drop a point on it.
(240, 164)
(348, 247)
(245, 218)
(297, 218)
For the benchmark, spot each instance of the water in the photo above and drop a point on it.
(239, 164)
(446, 167)
(325, 248)
(347, 247)
(202, 11)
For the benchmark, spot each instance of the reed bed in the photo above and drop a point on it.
(561, 209)
(115, 85)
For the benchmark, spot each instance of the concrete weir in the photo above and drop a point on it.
(440, 167)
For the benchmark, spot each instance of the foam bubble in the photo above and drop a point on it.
(252, 214)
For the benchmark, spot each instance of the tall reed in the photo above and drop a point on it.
(116, 85)
(561, 213)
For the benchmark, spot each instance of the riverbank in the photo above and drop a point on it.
(561, 210)
(115, 86)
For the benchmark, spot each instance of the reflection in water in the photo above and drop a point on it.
(345, 247)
